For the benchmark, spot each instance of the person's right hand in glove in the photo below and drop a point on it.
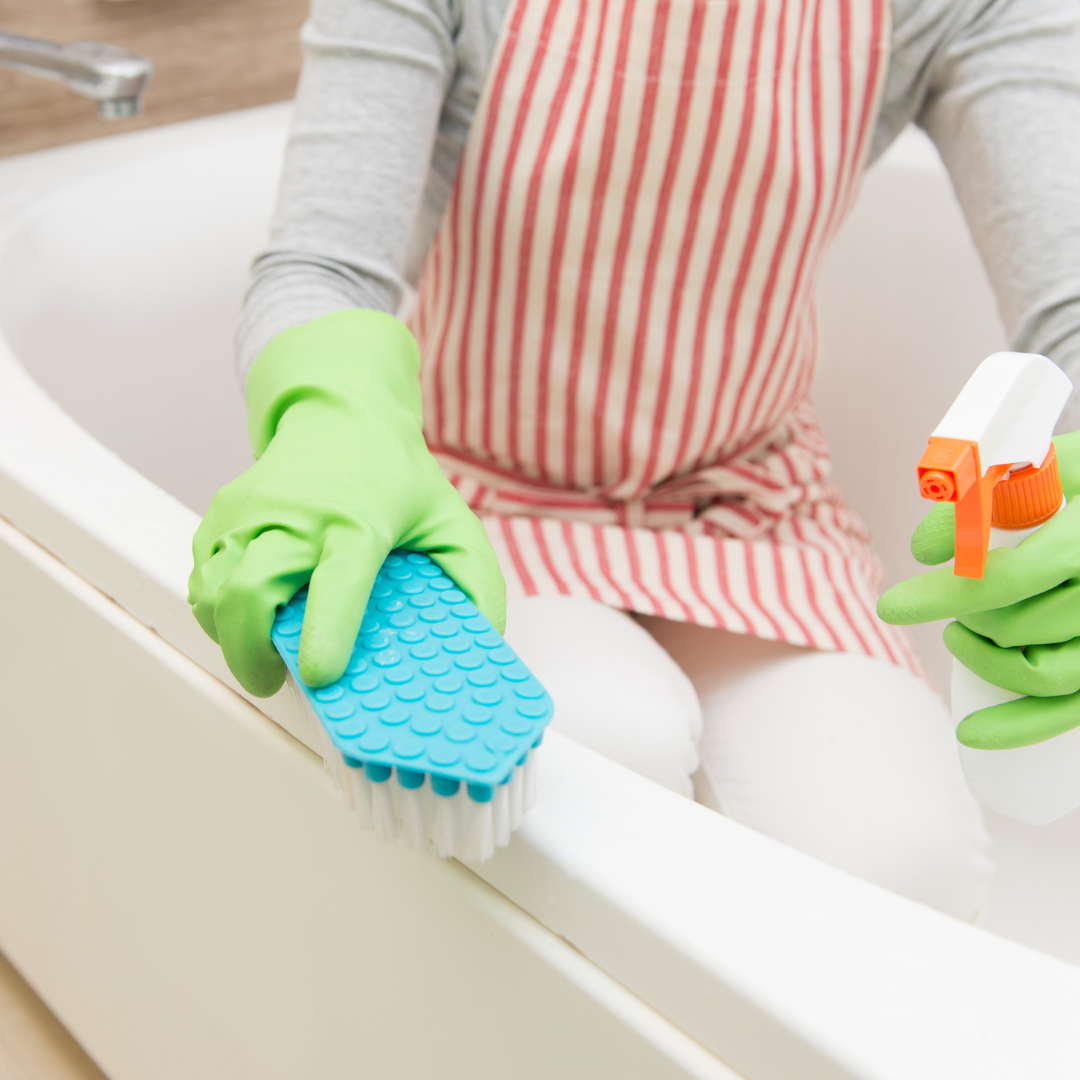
(1018, 627)
(342, 476)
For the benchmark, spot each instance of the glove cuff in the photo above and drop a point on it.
(359, 360)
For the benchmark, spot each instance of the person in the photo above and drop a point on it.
(602, 222)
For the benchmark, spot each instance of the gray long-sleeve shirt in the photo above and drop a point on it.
(389, 88)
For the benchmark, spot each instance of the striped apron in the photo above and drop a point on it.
(617, 314)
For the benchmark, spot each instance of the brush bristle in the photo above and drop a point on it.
(397, 808)
(448, 826)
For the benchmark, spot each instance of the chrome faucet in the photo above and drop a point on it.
(115, 78)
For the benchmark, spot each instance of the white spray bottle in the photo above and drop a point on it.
(992, 456)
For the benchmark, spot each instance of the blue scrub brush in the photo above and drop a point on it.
(433, 729)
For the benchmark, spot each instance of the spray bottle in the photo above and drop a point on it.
(992, 456)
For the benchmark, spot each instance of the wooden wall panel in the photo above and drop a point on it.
(209, 56)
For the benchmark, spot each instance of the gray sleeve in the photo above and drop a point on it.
(996, 84)
(364, 134)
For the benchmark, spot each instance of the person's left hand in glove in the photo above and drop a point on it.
(1018, 627)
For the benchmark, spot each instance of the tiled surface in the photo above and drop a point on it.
(209, 56)
(33, 1043)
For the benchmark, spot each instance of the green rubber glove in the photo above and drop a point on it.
(342, 476)
(1018, 627)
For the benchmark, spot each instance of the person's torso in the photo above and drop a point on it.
(620, 295)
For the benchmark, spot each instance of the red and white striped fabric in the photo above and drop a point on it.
(617, 317)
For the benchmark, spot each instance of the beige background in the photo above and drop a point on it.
(209, 56)
(33, 1045)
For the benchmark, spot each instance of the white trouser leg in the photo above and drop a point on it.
(615, 689)
(848, 759)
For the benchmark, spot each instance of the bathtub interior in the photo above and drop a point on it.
(120, 293)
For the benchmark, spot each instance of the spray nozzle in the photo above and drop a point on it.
(992, 454)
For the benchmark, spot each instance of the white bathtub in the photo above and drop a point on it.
(180, 880)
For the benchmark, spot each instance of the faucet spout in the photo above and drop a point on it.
(114, 78)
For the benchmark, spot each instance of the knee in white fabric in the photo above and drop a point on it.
(846, 758)
(615, 689)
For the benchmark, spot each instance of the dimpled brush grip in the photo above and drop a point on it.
(431, 687)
